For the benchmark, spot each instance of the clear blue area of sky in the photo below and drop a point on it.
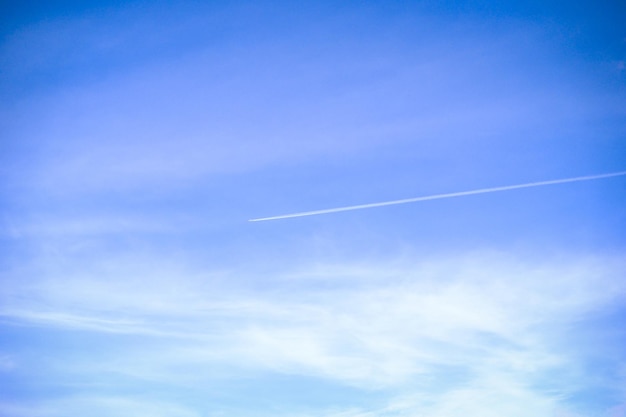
(138, 138)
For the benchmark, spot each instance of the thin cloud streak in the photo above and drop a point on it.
(441, 196)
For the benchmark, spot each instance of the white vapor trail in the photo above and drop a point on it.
(439, 196)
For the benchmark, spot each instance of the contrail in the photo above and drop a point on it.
(439, 196)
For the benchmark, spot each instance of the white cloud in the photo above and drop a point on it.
(97, 406)
(498, 320)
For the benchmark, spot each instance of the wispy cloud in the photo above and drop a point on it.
(99, 406)
(131, 134)
(498, 321)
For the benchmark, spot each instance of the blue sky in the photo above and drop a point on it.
(138, 139)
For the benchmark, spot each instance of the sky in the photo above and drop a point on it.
(138, 138)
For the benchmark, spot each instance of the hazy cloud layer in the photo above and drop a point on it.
(498, 325)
